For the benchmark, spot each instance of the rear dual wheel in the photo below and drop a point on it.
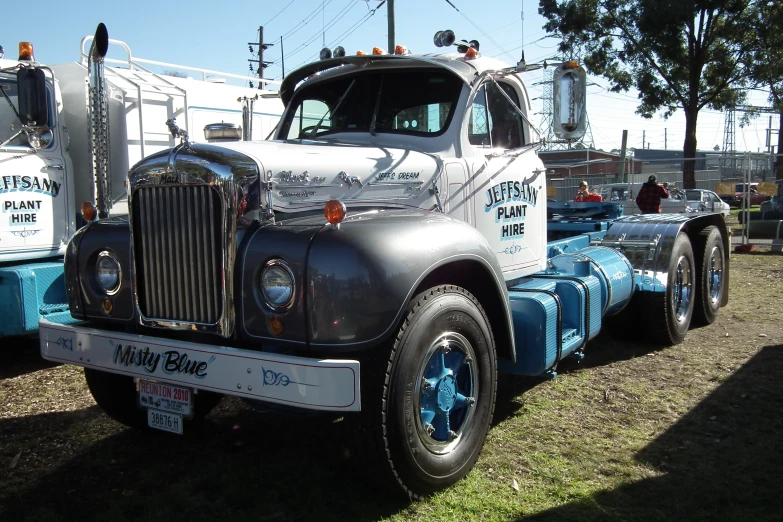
(710, 258)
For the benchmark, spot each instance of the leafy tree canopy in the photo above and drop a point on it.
(686, 54)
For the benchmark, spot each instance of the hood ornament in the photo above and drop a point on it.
(175, 131)
(350, 180)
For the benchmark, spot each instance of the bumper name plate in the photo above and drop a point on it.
(318, 384)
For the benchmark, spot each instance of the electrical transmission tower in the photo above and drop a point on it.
(729, 159)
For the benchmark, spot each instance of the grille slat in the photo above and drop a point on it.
(177, 244)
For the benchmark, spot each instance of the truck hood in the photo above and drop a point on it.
(306, 174)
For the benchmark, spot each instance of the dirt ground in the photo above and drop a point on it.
(61, 457)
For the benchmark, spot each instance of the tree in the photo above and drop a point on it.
(679, 54)
(766, 64)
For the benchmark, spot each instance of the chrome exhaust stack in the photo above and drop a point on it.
(98, 107)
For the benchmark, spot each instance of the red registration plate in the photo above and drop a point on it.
(165, 397)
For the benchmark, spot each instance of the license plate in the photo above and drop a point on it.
(165, 397)
(164, 421)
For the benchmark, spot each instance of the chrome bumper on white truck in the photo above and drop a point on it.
(315, 384)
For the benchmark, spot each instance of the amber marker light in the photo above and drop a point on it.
(335, 211)
(275, 324)
(108, 306)
(400, 49)
(26, 52)
(377, 51)
(361, 53)
(571, 64)
(89, 213)
(471, 53)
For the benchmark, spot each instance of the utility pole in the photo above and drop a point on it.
(282, 56)
(622, 156)
(261, 63)
(665, 139)
(643, 139)
(390, 16)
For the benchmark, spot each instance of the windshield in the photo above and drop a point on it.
(418, 102)
(9, 123)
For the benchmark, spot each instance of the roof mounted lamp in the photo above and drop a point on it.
(447, 38)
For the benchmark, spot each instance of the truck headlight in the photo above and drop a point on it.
(277, 285)
(107, 272)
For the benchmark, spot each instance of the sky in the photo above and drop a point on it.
(213, 35)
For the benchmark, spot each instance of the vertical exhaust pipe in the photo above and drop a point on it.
(98, 107)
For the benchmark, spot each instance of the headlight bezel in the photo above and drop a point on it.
(272, 304)
(102, 257)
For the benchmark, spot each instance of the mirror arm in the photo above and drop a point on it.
(12, 138)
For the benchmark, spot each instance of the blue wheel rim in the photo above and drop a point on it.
(683, 288)
(446, 393)
(715, 274)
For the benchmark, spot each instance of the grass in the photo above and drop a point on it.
(634, 432)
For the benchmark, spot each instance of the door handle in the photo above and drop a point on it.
(53, 167)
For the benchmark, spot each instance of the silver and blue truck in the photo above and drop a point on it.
(382, 258)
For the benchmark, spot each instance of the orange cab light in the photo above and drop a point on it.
(335, 211)
(571, 64)
(361, 53)
(377, 51)
(275, 324)
(26, 52)
(108, 306)
(471, 53)
(89, 212)
(400, 49)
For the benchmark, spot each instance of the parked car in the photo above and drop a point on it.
(706, 200)
(736, 200)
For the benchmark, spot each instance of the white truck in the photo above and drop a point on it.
(48, 163)
(382, 259)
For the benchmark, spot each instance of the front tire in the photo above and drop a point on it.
(429, 413)
(116, 396)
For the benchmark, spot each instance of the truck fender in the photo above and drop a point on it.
(647, 241)
(362, 274)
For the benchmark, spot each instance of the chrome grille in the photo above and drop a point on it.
(177, 233)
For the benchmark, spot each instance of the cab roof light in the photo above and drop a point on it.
(571, 64)
(26, 52)
(377, 51)
(471, 53)
(401, 50)
(361, 53)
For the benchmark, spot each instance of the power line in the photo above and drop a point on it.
(347, 32)
(339, 16)
(480, 30)
(306, 20)
(280, 12)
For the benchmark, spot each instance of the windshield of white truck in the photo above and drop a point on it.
(419, 103)
(9, 122)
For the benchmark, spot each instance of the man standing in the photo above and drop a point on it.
(649, 197)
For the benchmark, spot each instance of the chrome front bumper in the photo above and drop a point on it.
(329, 385)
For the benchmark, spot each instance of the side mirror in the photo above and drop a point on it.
(569, 95)
(33, 109)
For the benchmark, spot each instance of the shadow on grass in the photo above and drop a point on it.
(21, 355)
(722, 461)
(242, 465)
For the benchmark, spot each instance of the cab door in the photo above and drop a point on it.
(34, 217)
(507, 181)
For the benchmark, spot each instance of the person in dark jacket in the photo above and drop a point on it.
(649, 197)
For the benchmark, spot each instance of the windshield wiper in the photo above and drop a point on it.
(334, 112)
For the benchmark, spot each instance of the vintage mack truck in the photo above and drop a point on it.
(382, 258)
(51, 161)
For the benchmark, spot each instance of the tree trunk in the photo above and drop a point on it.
(689, 149)
(779, 156)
